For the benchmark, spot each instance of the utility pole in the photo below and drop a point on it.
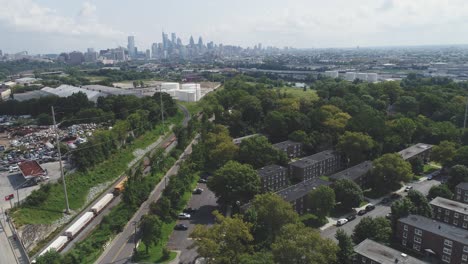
(466, 112)
(67, 210)
(162, 107)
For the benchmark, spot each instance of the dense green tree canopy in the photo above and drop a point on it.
(234, 182)
(389, 170)
(297, 244)
(377, 229)
(356, 146)
(258, 152)
(321, 201)
(348, 193)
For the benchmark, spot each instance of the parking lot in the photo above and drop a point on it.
(380, 210)
(205, 203)
(9, 182)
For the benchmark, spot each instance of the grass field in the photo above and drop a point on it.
(298, 92)
(79, 183)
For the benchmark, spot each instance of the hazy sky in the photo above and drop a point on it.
(42, 26)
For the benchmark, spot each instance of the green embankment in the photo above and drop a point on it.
(79, 183)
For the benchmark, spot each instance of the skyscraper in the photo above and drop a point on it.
(131, 46)
(154, 50)
(173, 38)
(192, 42)
(200, 42)
(165, 41)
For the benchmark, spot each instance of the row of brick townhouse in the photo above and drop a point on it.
(296, 194)
(461, 192)
(358, 173)
(322, 163)
(450, 212)
(431, 238)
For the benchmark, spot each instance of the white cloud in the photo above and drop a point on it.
(28, 16)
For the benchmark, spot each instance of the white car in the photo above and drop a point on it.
(184, 216)
(408, 188)
(341, 221)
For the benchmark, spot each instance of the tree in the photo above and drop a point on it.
(407, 105)
(417, 165)
(399, 209)
(263, 257)
(461, 157)
(219, 147)
(404, 128)
(44, 119)
(269, 213)
(389, 170)
(348, 193)
(276, 126)
(51, 257)
(440, 191)
(251, 148)
(421, 205)
(457, 174)
(297, 244)
(321, 201)
(225, 241)
(150, 227)
(377, 229)
(356, 146)
(444, 152)
(162, 208)
(346, 246)
(234, 182)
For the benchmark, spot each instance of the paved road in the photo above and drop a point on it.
(179, 240)
(7, 254)
(380, 210)
(121, 248)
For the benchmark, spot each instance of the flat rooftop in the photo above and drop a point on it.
(438, 228)
(414, 150)
(463, 185)
(267, 170)
(310, 160)
(354, 172)
(450, 205)
(383, 254)
(299, 190)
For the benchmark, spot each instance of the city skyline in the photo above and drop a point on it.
(51, 26)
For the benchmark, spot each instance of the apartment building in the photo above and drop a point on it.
(444, 242)
(371, 252)
(296, 194)
(273, 178)
(420, 150)
(357, 173)
(322, 163)
(461, 192)
(291, 148)
(450, 212)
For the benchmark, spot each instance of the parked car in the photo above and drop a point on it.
(370, 207)
(202, 180)
(385, 200)
(408, 188)
(362, 212)
(184, 216)
(395, 196)
(189, 210)
(388, 216)
(351, 217)
(197, 191)
(341, 221)
(180, 227)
